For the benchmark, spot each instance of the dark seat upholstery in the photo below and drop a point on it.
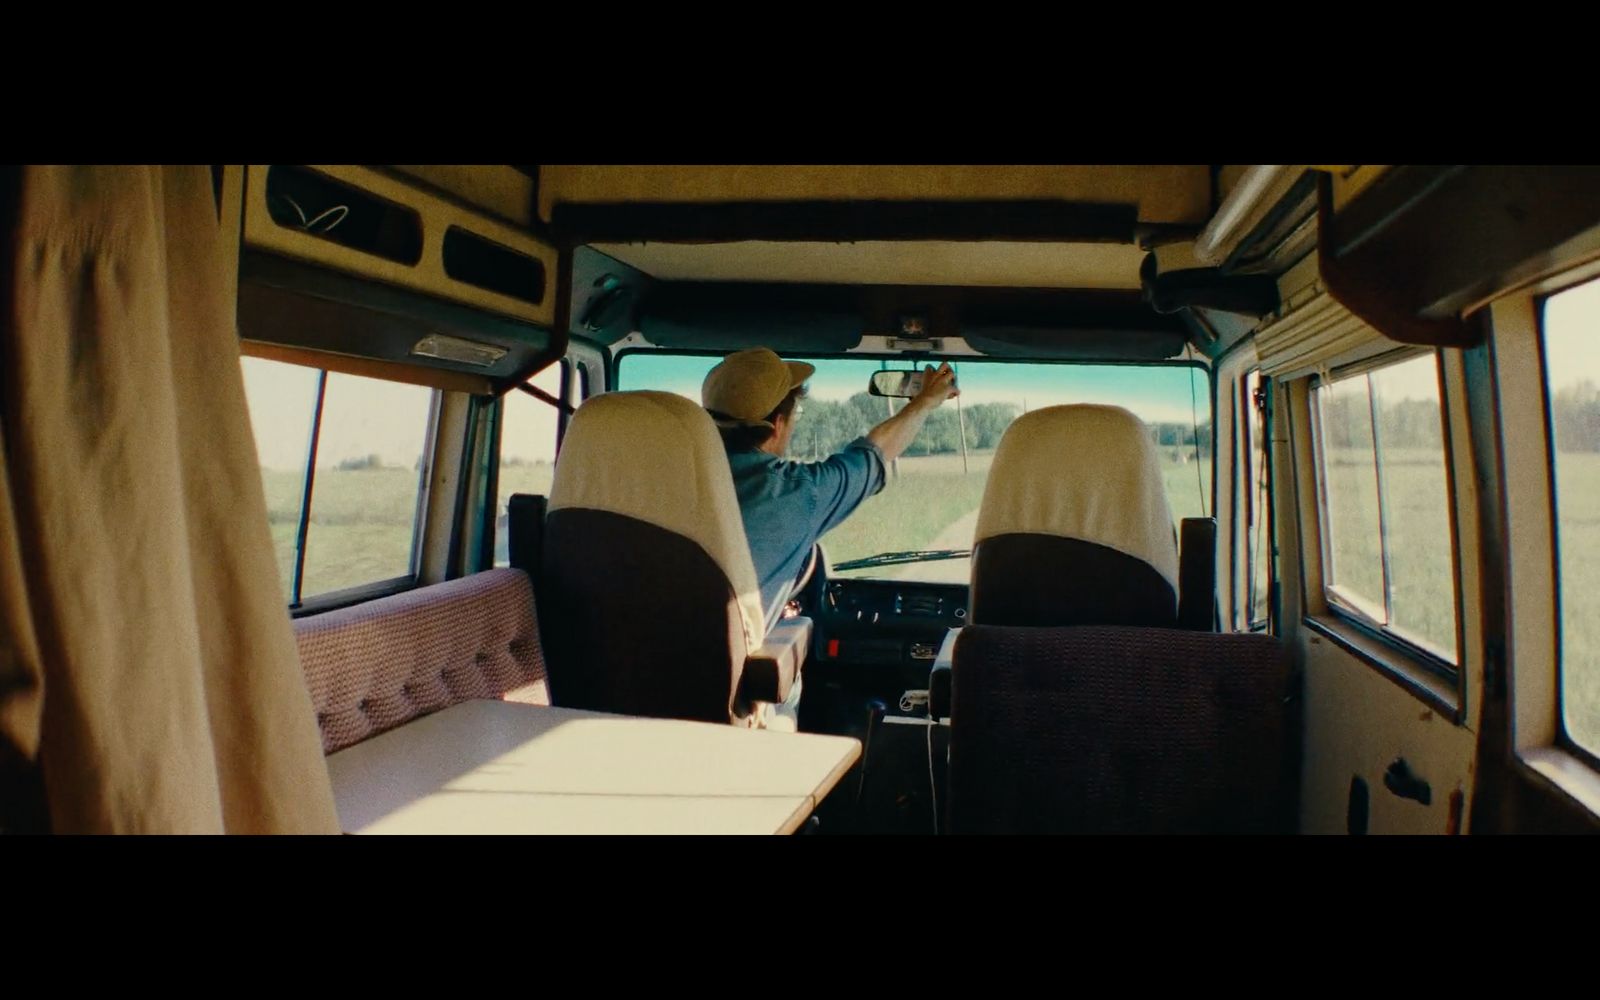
(1120, 730)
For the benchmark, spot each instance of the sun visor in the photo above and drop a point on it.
(605, 295)
(716, 316)
(1100, 325)
(1072, 325)
(1075, 344)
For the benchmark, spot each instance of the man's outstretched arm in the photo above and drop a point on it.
(895, 435)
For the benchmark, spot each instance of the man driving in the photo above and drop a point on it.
(755, 398)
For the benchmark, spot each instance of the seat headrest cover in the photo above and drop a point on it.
(657, 457)
(1087, 472)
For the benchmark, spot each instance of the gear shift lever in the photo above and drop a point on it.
(876, 710)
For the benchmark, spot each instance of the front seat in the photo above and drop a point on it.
(1075, 528)
(650, 603)
(1081, 699)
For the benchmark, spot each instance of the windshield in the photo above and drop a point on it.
(921, 525)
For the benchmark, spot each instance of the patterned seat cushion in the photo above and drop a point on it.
(375, 666)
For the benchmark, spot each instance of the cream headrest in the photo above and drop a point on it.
(1086, 472)
(657, 457)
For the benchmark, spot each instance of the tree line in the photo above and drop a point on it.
(1409, 423)
(825, 426)
(1575, 412)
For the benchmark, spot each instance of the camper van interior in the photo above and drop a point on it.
(403, 499)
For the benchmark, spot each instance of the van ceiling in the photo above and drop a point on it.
(1156, 194)
(993, 265)
(1031, 245)
(1032, 226)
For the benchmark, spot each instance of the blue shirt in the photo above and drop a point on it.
(787, 506)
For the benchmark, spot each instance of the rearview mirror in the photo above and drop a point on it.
(900, 385)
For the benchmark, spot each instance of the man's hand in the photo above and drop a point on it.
(894, 435)
(938, 385)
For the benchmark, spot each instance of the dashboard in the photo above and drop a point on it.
(885, 623)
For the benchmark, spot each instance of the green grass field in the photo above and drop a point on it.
(360, 531)
(931, 503)
(925, 497)
(362, 521)
(1421, 553)
(1578, 499)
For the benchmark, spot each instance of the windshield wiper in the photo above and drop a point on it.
(891, 558)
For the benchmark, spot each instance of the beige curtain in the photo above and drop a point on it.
(147, 666)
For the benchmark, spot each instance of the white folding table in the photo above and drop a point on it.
(505, 768)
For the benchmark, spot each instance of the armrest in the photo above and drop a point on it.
(939, 677)
(769, 672)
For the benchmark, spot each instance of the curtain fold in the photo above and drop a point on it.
(140, 566)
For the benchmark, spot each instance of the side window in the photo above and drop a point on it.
(1569, 321)
(369, 476)
(528, 429)
(283, 402)
(343, 463)
(1256, 513)
(1382, 480)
